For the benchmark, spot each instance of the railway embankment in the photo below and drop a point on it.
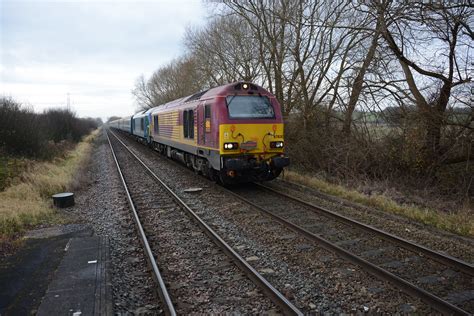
(33, 270)
(455, 219)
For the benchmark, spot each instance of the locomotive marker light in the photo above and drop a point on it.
(230, 146)
(276, 144)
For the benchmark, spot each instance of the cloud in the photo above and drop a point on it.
(93, 50)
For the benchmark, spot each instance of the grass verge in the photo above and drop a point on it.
(28, 202)
(460, 222)
(9, 167)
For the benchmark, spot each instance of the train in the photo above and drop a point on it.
(233, 133)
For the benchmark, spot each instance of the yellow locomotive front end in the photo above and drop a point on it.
(251, 138)
(253, 151)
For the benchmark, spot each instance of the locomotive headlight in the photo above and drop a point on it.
(245, 86)
(230, 146)
(276, 144)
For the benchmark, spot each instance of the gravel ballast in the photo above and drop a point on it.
(103, 205)
(314, 279)
(200, 277)
(439, 240)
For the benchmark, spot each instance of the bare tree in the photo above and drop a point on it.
(431, 74)
(224, 51)
(321, 53)
(265, 20)
(142, 94)
(175, 80)
(357, 85)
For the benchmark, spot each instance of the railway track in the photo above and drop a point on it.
(199, 271)
(441, 285)
(443, 282)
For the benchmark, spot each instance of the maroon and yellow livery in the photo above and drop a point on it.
(233, 133)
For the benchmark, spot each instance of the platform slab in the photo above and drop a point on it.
(81, 284)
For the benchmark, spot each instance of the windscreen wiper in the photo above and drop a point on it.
(231, 99)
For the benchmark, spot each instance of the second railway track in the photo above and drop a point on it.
(452, 295)
(443, 282)
(199, 276)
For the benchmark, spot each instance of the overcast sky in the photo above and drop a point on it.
(93, 50)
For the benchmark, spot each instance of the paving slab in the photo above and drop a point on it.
(26, 274)
(81, 284)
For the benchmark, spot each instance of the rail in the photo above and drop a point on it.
(162, 290)
(278, 298)
(432, 300)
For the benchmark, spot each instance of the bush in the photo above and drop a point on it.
(381, 153)
(33, 135)
(21, 132)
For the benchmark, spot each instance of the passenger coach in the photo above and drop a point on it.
(233, 133)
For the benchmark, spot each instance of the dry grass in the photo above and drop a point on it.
(460, 222)
(27, 202)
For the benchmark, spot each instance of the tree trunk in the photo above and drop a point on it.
(359, 81)
(434, 124)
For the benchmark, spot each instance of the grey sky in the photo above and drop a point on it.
(93, 50)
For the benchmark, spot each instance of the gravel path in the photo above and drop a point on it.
(314, 279)
(103, 205)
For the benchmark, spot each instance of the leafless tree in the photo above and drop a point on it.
(175, 80)
(264, 19)
(340, 69)
(434, 49)
(224, 51)
(142, 93)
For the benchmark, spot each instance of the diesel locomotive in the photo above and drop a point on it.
(231, 133)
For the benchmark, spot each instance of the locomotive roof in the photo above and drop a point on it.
(223, 90)
(233, 88)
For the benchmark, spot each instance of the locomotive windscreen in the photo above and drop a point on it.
(251, 106)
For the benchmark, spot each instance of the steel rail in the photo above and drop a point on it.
(279, 299)
(162, 291)
(432, 300)
(409, 245)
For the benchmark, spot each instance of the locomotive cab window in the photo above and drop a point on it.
(188, 124)
(249, 107)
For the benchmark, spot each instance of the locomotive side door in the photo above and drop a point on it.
(201, 129)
